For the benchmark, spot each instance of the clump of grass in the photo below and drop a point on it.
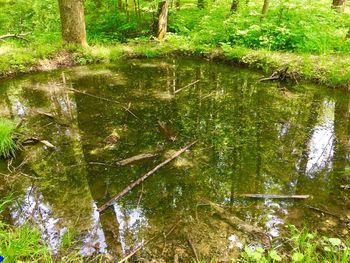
(7, 145)
(22, 243)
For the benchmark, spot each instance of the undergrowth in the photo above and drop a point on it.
(301, 246)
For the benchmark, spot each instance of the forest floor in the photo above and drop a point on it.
(331, 70)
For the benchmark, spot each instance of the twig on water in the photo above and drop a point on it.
(189, 85)
(105, 99)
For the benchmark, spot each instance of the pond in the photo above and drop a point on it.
(253, 138)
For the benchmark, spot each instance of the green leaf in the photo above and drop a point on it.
(297, 257)
(334, 241)
(273, 254)
(260, 250)
(248, 251)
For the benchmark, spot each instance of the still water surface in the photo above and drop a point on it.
(254, 138)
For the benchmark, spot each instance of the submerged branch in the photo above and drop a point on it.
(189, 85)
(268, 196)
(144, 177)
(105, 99)
(241, 225)
(136, 158)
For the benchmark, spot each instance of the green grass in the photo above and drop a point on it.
(22, 243)
(7, 145)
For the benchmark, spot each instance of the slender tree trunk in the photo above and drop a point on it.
(339, 5)
(163, 19)
(72, 21)
(234, 6)
(265, 9)
(177, 4)
(201, 4)
(127, 8)
(120, 5)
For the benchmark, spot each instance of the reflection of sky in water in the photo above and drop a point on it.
(19, 108)
(321, 144)
(273, 221)
(94, 236)
(130, 221)
(34, 209)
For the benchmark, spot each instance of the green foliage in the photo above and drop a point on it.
(22, 243)
(301, 246)
(7, 145)
(290, 25)
(68, 238)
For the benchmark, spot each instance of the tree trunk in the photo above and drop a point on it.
(201, 4)
(339, 5)
(265, 9)
(72, 21)
(162, 19)
(120, 5)
(177, 4)
(234, 6)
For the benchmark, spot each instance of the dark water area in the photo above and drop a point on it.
(253, 138)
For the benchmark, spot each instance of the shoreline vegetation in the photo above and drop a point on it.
(24, 243)
(332, 70)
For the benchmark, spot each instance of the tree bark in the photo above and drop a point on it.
(265, 9)
(163, 19)
(339, 5)
(72, 21)
(234, 6)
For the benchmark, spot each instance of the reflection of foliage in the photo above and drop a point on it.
(252, 138)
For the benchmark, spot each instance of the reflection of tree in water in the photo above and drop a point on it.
(60, 191)
(253, 139)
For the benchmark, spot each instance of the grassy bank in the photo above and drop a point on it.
(330, 69)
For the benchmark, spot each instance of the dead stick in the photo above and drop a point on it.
(322, 211)
(144, 177)
(194, 82)
(275, 196)
(105, 99)
(193, 248)
(18, 36)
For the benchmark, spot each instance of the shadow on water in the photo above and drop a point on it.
(268, 138)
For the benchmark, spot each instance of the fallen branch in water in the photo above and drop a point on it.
(189, 85)
(323, 211)
(17, 36)
(136, 158)
(277, 75)
(241, 225)
(144, 177)
(105, 99)
(34, 140)
(193, 248)
(268, 196)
